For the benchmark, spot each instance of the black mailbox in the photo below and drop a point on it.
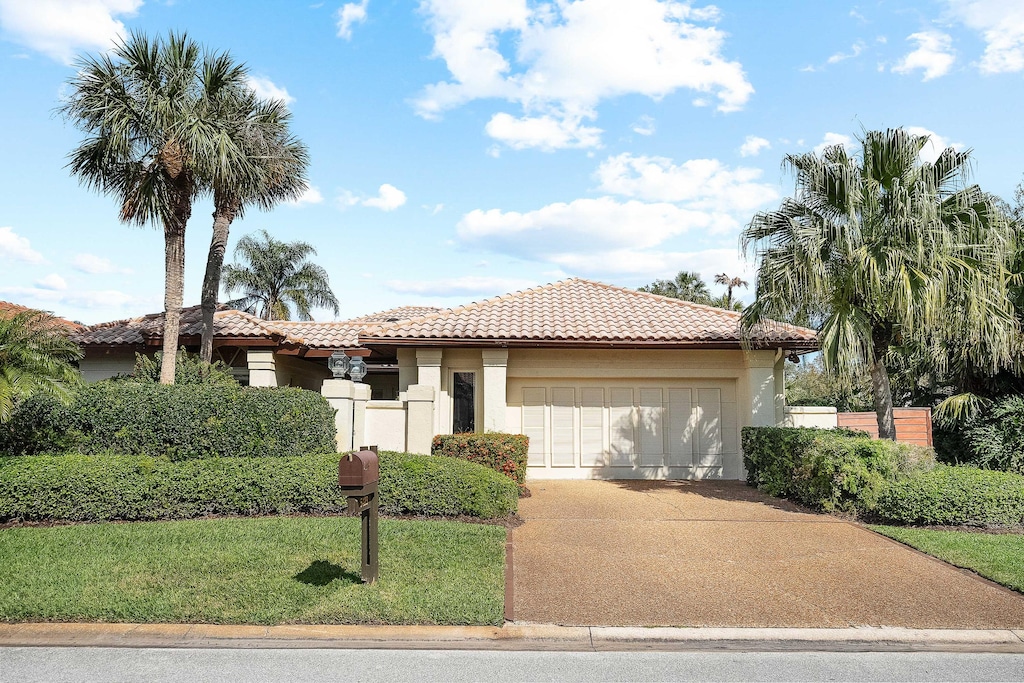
(358, 471)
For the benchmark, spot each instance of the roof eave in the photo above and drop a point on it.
(796, 345)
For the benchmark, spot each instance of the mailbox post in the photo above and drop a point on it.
(358, 475)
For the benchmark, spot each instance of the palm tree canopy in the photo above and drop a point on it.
(275, 276)
(688, 286)
(882, 249)
(35, 356)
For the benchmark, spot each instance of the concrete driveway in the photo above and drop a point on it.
(718, 553)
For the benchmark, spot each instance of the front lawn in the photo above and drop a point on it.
(999, 557)
(252, 571)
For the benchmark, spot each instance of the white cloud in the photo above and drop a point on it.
(349, 14)
(1001, 24)
(53, 282)
(753, 145)
(855, 50)
(267, 89)
(108, 300)
(14, 247)
(469, 285)
(936, 143)
(388, 198)
(61, 29)
(705, 185)
(934, 55)
(831, 140)
(545, 132)
(311, 195)
(644, 125)
(96, 265)
(566, 57)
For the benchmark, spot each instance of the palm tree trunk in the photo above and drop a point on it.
(881, 390)
(174, 277)
(223, 214)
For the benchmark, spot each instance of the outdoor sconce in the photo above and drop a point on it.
(339, 364)
(357, 369)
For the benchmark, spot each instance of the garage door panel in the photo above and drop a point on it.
(650, 424)
(620, 438)
(709, 451)
(563, 427)
(592, 430)
(534, 408)
(682, 424)
(730, 428)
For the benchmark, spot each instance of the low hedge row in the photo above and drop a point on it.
(108, 486)
(836, 470)
(956, 496)
(829, 469)
(505, 453)
(180, 421)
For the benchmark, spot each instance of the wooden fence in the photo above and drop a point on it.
(913, 425)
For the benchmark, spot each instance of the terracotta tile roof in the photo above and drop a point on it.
(8, 309)
(326, 335)
(579, 311)
(397, 314)
(226, 323)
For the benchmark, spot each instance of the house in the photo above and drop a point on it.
(607, 382)
(8, 310)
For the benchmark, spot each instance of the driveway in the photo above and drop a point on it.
(719, 553)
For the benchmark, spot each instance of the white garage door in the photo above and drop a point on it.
(673, 430)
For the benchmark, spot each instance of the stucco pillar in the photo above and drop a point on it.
(419, 418)
(406, 368)
(360, 395)
(340, 394)
(428, 374)
(495, 394)
(262, 367)
(761, 384)
(779, 373)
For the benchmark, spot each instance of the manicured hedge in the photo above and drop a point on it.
(956, 496)
(505, 453)
(182, 422)
(119, 487)
(828, 469)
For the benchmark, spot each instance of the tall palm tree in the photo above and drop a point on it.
(147, 108)
(270, 168)
(730, 283)
(882, 251)
(275, 277)
(36, 355)
(688, 286)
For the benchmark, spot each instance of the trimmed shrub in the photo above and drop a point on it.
(956, 496)
(119, 487)
(180, 422)
(827, 469)
(505, 453)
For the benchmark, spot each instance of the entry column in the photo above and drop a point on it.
(495, 389)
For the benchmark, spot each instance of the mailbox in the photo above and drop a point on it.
(359, 471)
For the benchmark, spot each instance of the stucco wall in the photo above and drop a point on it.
(385, 425)
(822, 417)
(98, 365)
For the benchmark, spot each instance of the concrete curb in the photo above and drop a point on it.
(509, 637)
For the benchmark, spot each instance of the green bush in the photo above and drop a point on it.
(119, 487)
(182, 422)
(505, 453)
(956, 496)
(992, 440)
(827, 469)
(188, 369)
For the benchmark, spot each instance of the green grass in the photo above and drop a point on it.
(252, 571)
(999, 557)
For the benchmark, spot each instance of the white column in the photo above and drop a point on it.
(779, 373)
(495, 394)
(419, 418)
(262, 367)
(340, 393)
(428, 373)
(360, 395)
(406, 368)
(761, 385)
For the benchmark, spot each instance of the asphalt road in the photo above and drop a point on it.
(107, 665)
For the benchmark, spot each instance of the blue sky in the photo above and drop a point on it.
(462, 149)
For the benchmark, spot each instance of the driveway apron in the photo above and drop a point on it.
(719, 554)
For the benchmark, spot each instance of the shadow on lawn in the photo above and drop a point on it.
(322, 572)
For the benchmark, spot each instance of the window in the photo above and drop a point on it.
(463, 402)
